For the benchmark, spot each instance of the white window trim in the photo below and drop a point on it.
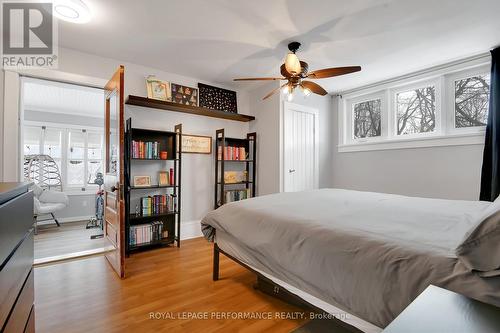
(450, 100)
(70, 189)
(392, 109)
(349, 125)
(445, 133)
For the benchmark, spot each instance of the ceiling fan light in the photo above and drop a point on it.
(306, 91)
(289, 97)
(285, 90)
(292, 63)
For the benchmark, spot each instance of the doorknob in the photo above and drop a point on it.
(113, 188)
(291, 170)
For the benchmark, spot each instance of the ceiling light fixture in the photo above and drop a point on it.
(292, 63)
(306, 91)
(75, 11)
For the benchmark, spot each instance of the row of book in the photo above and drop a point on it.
(141, 149)
(232, 153)
(237, 195)
(158, 204)
(147, 233)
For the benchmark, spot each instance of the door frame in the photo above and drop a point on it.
(11, 140)
(287, 108)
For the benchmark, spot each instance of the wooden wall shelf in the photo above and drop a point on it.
(169, 106)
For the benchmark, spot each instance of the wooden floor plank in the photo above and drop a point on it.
(87, 296)
(70, 237)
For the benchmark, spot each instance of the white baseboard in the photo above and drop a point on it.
(63, 219)
(190, 229)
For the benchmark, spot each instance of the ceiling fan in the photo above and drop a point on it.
(295, 71)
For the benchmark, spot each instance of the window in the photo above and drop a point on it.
(472, 96)
(53, 144)
(366, 119)
(77, 152)
(32, 139)
(94, 156)
(416, 111)
(75, 164)
(443, 106)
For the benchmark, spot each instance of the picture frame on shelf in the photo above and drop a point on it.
(216, 98)
(142, 181)
(163, 178)
(196, 144)
(184, 95)
(158, 89)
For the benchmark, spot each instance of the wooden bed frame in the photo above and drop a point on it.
(271, 288)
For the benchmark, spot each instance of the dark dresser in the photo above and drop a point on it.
(17, 313)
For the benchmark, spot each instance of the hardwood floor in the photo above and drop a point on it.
(87, 296)
(70, 237)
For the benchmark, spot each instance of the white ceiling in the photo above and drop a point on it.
(56, 97)
(218, 40)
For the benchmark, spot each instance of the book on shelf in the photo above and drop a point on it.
(237, 195)
(158, 204)
(147, 233)
(145, 149)
(232, 153)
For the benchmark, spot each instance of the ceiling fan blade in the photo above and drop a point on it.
(260, 79)
(314, 87)
(274, 91)
(329, 72)
(284, 72)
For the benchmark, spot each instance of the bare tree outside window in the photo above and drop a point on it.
(471, 101)
(416, 111)
(367, 119)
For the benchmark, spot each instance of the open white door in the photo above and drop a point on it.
(300, 148)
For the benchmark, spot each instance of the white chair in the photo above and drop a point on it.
(47, 202)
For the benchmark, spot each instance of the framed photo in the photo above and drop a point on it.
(163, 178)
(158, 89)
(217, 98)
(196, 144)
(184, 95)
(142, 181)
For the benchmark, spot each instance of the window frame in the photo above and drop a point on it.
(393, 109)
(450, 94)
(66, 128)
(350, 116)
(445, 134)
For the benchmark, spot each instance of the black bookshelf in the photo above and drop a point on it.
(221, 159)
(170, 220)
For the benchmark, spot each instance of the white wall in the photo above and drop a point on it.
(451, 172)
(266, 124)
(197, 175)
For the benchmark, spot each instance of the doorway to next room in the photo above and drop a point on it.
(62, 136)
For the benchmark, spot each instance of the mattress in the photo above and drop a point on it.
(369, 253)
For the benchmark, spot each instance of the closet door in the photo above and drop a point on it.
(114, 203)
(300, 148)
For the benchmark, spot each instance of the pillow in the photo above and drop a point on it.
(480, 249)
(37, 190)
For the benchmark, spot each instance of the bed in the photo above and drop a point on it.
(366, 255)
